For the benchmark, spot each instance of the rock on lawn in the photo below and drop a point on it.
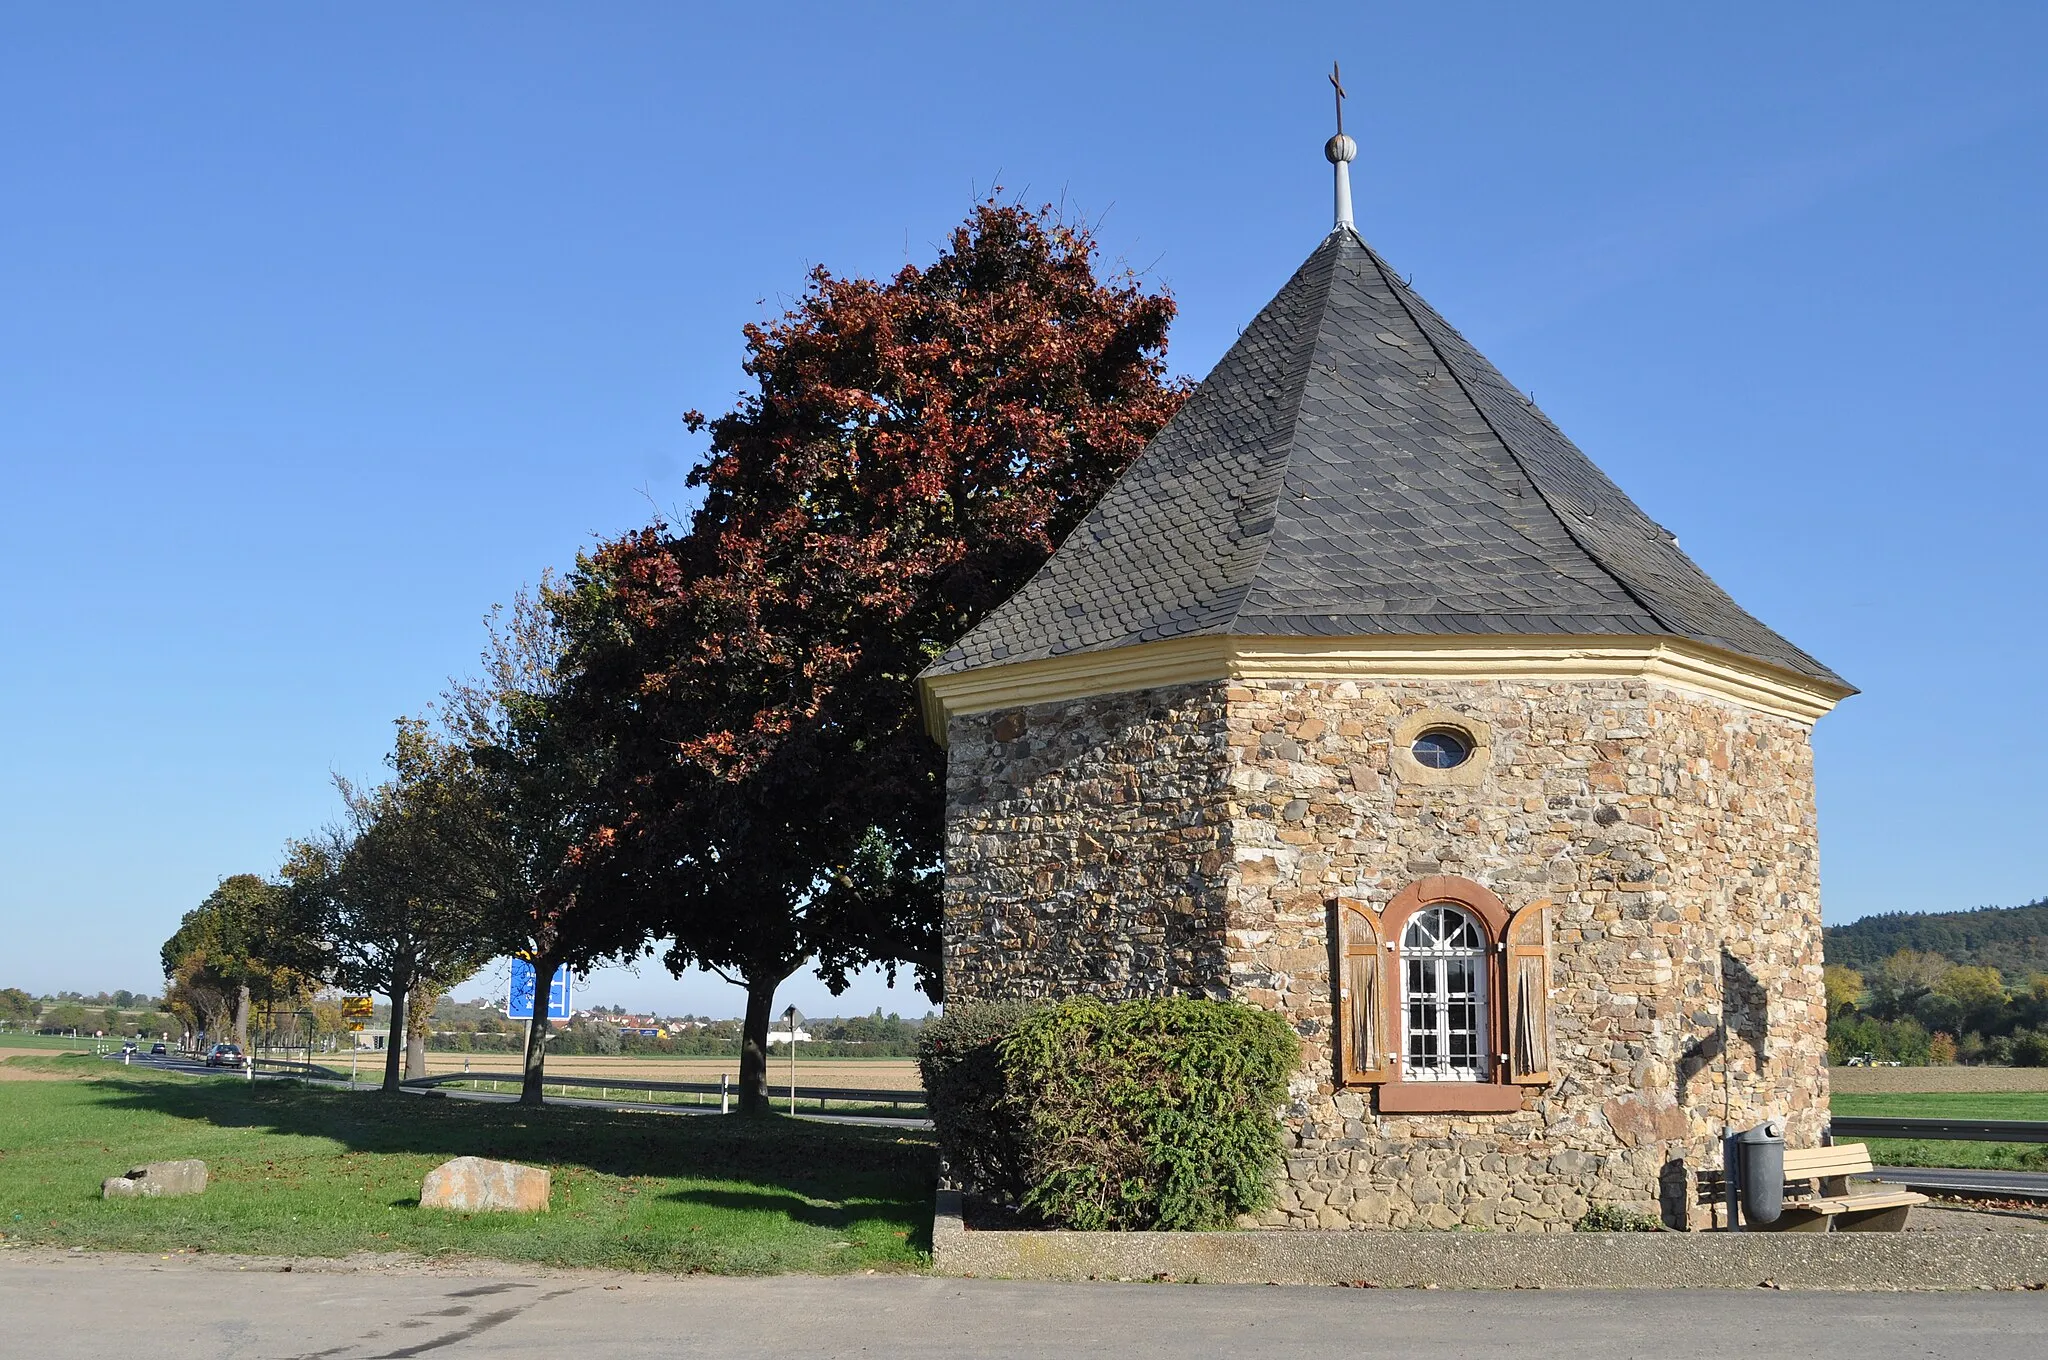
(157, 1179)
(472, 1184)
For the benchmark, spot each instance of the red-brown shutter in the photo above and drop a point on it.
(1361, 1007)
(1528, 993)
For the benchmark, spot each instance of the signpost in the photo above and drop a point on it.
(355, 1010)
(519, 996)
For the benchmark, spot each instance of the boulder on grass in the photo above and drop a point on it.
(476, 1184)
(156, 1180)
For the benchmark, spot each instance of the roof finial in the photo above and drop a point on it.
(1340, 151)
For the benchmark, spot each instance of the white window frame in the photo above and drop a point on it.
(1436, 959)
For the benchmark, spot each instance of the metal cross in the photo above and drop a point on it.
(1339, 87)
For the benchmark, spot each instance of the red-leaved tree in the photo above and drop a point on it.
(913, 449)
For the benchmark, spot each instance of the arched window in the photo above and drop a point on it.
(1443, 997)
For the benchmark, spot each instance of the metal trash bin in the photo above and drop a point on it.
(1761, 1153)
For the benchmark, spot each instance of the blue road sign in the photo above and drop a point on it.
(519, 998)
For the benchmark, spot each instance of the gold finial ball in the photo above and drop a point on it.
(1340, 150)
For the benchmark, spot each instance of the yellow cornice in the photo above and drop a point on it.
(1184, 661)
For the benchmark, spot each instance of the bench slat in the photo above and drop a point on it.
(1847, 1159)
(1849, 1204)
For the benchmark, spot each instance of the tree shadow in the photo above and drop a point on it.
(1745, 1007)
(842, 1216)
(795, 1158)
(1745, 1015)
(794, 1207)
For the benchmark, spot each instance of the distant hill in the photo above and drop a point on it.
(2014, 940)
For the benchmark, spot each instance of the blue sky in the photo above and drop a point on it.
(322, 328)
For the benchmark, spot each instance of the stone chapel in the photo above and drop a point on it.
(1365, 696)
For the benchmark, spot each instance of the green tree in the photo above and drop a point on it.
(65, 1015)
(243, 945)
(1972, 988)
(399, 887)
(1903, 979)
(1844, 987)
(329, 1023)
(17, 1007)
(547, 839)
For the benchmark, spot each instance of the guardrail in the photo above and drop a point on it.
(1844, 1126)
(305, 1069)
(895, 1099)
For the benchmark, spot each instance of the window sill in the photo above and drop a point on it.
(1449, 1097)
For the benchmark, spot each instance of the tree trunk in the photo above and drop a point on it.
(415, 1055)
(754, 1046)
(242, 1018)
(394, 1039)
(537, 1031)
(418, 1023)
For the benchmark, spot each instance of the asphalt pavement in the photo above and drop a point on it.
(1950, 1180)
(61, 1308)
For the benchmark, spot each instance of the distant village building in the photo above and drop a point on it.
(1366, 697)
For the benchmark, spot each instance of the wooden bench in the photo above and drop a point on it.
(1817, 1195)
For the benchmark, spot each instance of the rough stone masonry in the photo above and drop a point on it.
(1190, 840)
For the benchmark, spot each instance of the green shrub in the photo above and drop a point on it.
(1614, 1218)
(964, 1087)
(1147, 1114)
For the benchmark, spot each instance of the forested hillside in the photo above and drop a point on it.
(2014, 940)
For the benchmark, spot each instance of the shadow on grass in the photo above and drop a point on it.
(794, 1207)
(791, 1160)
(840, 1217)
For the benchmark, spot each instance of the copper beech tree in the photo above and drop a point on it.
(911, 450)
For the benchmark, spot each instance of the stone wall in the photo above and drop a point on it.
(1191, 840)
(1085, 848)
(1674, 834)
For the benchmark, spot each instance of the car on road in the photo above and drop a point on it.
(128, 1046)
(159, 1050)
(224, 1055)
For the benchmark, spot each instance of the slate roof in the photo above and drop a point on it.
(1353, 467)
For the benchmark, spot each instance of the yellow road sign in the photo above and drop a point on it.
(355, 1025)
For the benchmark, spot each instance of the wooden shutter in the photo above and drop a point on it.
(1361, 1003)
(1527, 978)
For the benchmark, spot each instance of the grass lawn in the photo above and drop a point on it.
(1953, 1105)
(47, 1043)
(317, 1172)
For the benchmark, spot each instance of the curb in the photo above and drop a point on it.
(1454, 1260)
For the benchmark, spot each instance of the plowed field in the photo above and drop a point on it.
(1874, 1081)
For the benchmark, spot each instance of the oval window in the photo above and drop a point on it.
(1441, 748)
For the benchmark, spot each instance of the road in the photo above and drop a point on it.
(2018, 1184)
(95, 1306)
